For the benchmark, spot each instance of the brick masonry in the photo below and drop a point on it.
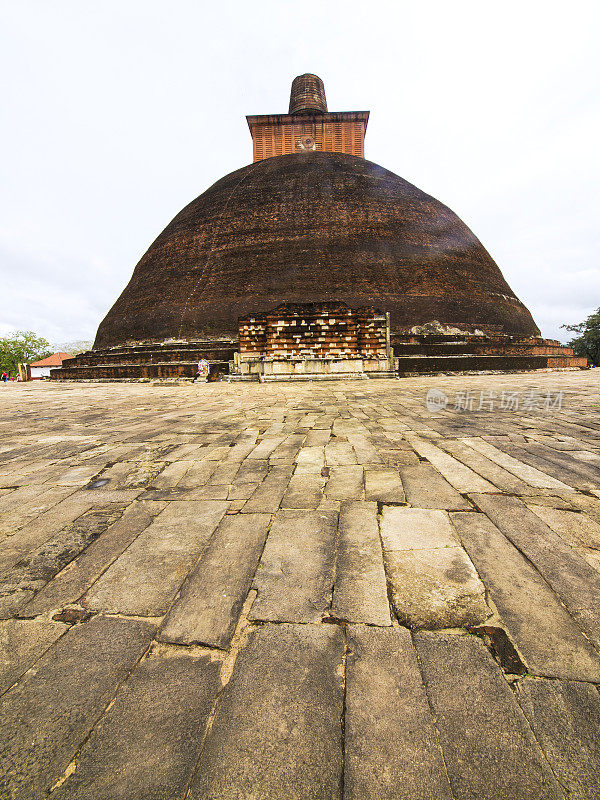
(314, 330)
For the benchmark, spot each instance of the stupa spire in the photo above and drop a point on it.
(308, 95)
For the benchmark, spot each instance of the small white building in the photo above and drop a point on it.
(41, 369)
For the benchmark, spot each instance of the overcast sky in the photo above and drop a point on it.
(116, 113)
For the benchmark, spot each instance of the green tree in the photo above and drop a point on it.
(587, 341)
(22, 347)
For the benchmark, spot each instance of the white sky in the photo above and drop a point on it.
(115, 114)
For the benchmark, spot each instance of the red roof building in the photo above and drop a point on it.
(41, 369)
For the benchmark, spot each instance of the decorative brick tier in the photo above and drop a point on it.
(148, 361)
(431, 353)
(297, 340)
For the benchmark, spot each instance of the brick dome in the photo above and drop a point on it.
(311, 227)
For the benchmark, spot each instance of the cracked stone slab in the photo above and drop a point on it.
(147, 744)
(304, 491)
(426, 488)
(433, 582)
(534, 477)
(360, 591)
(460, 476)
(345, 483)
(269, 493)
(211, 599)
(384, 485)
(295, 576)
(542, 629)
(40, 566)
(70, 584)
(570, 576)
(146, 577)
(22, 642)
(277, 732)
(489, 749)
(565, 717)
(47, 715)
(392, 748)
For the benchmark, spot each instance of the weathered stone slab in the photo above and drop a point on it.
(345, 483)
(47, 715)
(339, 453)
(500, 477)
(277, 731)
(37, 568)
(425, 488)
(265, 447)
(22, 642)
(146, 577)
(392, 748)
(224, 474)
(269, 494)
(574, 528)
(432, 581)
(171, 475)
(317, 438)
(197, 475)
(565, 717)
(304, 491)
(42, 528)
(548, 639)
(147, 745)
(366, 453)
(295, 576)
(252, 471)
(489, 750)
(435, 588)
(560, 464)
(310, 460)
(290, 447)
(360, 591)
(211, 599)
(457, 474)
(70, 584)
(571, 577)
(527, 473)
(384, 486)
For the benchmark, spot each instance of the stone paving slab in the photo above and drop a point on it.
(565, 718)
(426, 488)
(305, 683)
(295, 576)
(570, 576)
(22, 642)
(277, 731)
(146, 577)
(547, 637)
(147, 744)
(209, 603)
(392, 746)
(47, 715)
(360, 590)
(433, 583)
(488, 746)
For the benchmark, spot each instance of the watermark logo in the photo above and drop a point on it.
(436, 400)
(488, 400)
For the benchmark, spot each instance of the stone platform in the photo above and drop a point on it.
(301, 591)
(413, 355)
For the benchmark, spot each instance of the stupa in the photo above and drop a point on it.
(311, 221)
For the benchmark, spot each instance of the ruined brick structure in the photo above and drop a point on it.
(314, 330)
(310, 221)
